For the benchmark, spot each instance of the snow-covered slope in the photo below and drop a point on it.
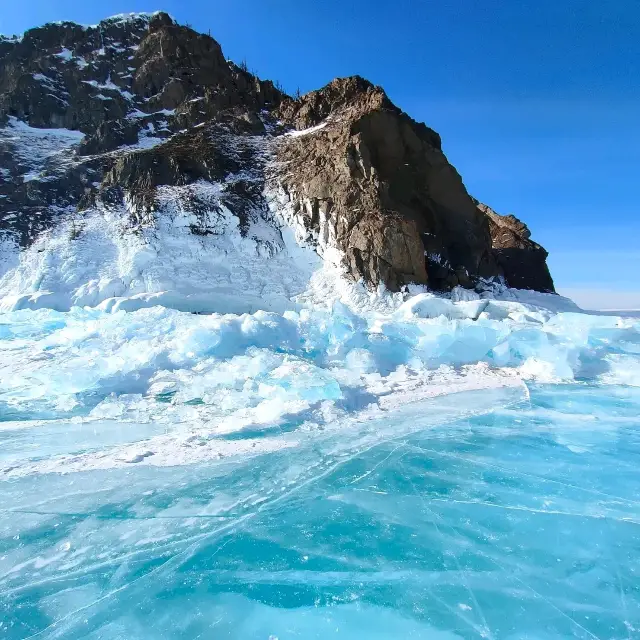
(193, 252)
(96, 260)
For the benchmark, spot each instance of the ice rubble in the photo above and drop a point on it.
(196, 378)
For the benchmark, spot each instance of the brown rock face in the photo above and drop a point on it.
(376, 185)
(174, 62)
(523, 262)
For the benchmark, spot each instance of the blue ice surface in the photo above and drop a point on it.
(507, 512)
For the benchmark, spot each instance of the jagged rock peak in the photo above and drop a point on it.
(65, 32)
(353, 94)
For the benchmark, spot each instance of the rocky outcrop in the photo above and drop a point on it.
(522, 261)
(135, 103)
(225, 150)
(375, 184)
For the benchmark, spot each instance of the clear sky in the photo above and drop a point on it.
(537, 101)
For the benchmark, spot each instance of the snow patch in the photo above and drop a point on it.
(34, 146)
(65, 55)
(42, 78)
(306, 132)
(9, 252)
(109, 85)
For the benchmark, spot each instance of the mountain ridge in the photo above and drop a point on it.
(103, 117)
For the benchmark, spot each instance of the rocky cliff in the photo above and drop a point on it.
(100, 119)
(516, 254)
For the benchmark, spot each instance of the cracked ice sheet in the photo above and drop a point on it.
(481, 527)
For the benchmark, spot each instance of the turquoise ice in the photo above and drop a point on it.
(445, 470)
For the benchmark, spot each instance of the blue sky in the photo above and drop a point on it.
(537, 102)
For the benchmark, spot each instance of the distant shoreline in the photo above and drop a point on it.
(626, 313)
